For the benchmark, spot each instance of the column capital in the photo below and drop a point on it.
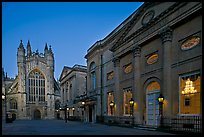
(136, 51)
(116, 62)
(166, 34)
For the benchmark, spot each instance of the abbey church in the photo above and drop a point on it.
(34, 91)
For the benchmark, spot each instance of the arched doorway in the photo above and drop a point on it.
(152, 104)
(37, 114)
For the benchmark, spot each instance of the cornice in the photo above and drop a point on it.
(140, 31)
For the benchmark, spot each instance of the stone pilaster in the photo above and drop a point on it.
(166, 37)
(118, 98)
(137, 94)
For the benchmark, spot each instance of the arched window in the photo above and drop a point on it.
(36, 82)
(13, 104)
(93, 75)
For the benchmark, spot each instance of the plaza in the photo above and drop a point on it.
(59, 127)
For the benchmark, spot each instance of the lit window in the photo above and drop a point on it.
(127, 97)
(110, 98)
(190, 94)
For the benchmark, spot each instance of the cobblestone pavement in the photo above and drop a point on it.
(59, 127)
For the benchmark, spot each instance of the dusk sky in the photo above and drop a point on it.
(71, 28)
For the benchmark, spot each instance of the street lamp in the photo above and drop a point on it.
(65, 113)
(111, 107)
(5, 106)
(161, 102)
(83, 110)
(4, 100)
(131, 106)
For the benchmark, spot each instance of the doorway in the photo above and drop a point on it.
(152, 103)
(37, 114)
(90, 113)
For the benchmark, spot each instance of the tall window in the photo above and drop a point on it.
(13, 104)
(190, 94)
(70, 92)
(93, 75)
(110, 98)
(36, 83)
(127, 97)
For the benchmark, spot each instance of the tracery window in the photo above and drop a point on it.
(36, 82)
(13, 104)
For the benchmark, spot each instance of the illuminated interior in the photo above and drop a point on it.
(127, 97)
(190, 94)
(110, 98)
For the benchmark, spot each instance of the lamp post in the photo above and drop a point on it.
(111, 107)
(4, 100)
(83, 109)
(131, 106)
(161, 101)
(65, 113)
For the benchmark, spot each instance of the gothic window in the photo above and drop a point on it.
(93, 75)
(190, 93)
(36, 83)
(127, 97)
(13, 104)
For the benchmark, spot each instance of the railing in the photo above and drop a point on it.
(119, 120)
(183, 123)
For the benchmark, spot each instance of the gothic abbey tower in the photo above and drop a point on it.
(34, 90)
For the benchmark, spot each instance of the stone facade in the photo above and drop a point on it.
(33, 92)
(152, 52)
(73, 87)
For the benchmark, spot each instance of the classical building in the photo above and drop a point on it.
(73, 87)
(156, 51)
(32, 94)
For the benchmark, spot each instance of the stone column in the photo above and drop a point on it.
(166, 37)
(117, 92)
(138, 94)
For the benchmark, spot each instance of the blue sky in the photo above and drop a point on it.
(69, 27)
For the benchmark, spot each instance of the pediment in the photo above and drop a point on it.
(149, 14)
(65, 71)
(140, 19)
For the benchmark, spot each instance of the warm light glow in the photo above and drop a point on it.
(72, 108)
(131, 101)
(111, 103)
(3, 97)
(67, 108)
(161, 99)
(189, 89)
(83, 103)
